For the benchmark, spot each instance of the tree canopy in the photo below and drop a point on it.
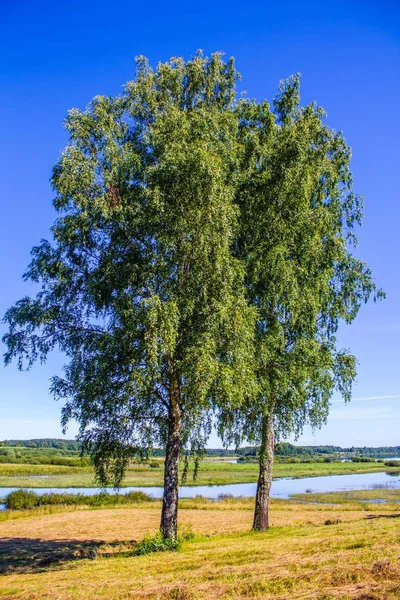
(298, 212)
(139, 287)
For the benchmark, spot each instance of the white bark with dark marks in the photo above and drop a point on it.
(261, 512)
(169, 514)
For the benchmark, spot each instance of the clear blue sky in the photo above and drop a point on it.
(58, 55)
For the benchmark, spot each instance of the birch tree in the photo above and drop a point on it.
(298, 214)
(139, 287)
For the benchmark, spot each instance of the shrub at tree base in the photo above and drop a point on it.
(156, 543)
(159, 543)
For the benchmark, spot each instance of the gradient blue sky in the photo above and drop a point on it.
(58, 55)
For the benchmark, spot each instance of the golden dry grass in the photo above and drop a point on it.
(301, 557)
(134, 523)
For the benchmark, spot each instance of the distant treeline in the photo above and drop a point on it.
(287, 449)
(73, 445)
(60, 447)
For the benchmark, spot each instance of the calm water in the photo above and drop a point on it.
(281, 488)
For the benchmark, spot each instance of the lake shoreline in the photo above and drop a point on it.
(45, 476)
(282, 488)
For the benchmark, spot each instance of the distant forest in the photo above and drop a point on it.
(281, 449)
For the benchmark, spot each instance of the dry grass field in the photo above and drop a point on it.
(337, 551)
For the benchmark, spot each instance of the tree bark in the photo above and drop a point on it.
(261, 512)
(169, 514)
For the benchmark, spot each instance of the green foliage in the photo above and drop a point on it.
(24, 499)
(49, 444)
(33, 452)
(157, 543)
(139, 287)
(298, 214)
(21, 499)
(49, 448)
(45, 460)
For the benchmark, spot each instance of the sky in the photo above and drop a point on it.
(58, 55)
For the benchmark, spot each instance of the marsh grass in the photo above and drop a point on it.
(385, 494)
(27, 499)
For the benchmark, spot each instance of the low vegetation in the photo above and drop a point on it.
(25, 499)
(378, 495)
(392, 463)
(158, 543)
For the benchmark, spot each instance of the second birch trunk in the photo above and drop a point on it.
(261, 512)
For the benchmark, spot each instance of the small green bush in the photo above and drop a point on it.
(21, 499)
(392, 463)
(187, 534)
(156, 543)
(137, 497)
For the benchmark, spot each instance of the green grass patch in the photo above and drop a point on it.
(156, 543)
(386, 495)
(27, 499)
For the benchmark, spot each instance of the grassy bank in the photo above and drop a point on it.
(362, 500)
(322, 552)
(143, 475)
(386, 495)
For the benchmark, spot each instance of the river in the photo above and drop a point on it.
(281, 488)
